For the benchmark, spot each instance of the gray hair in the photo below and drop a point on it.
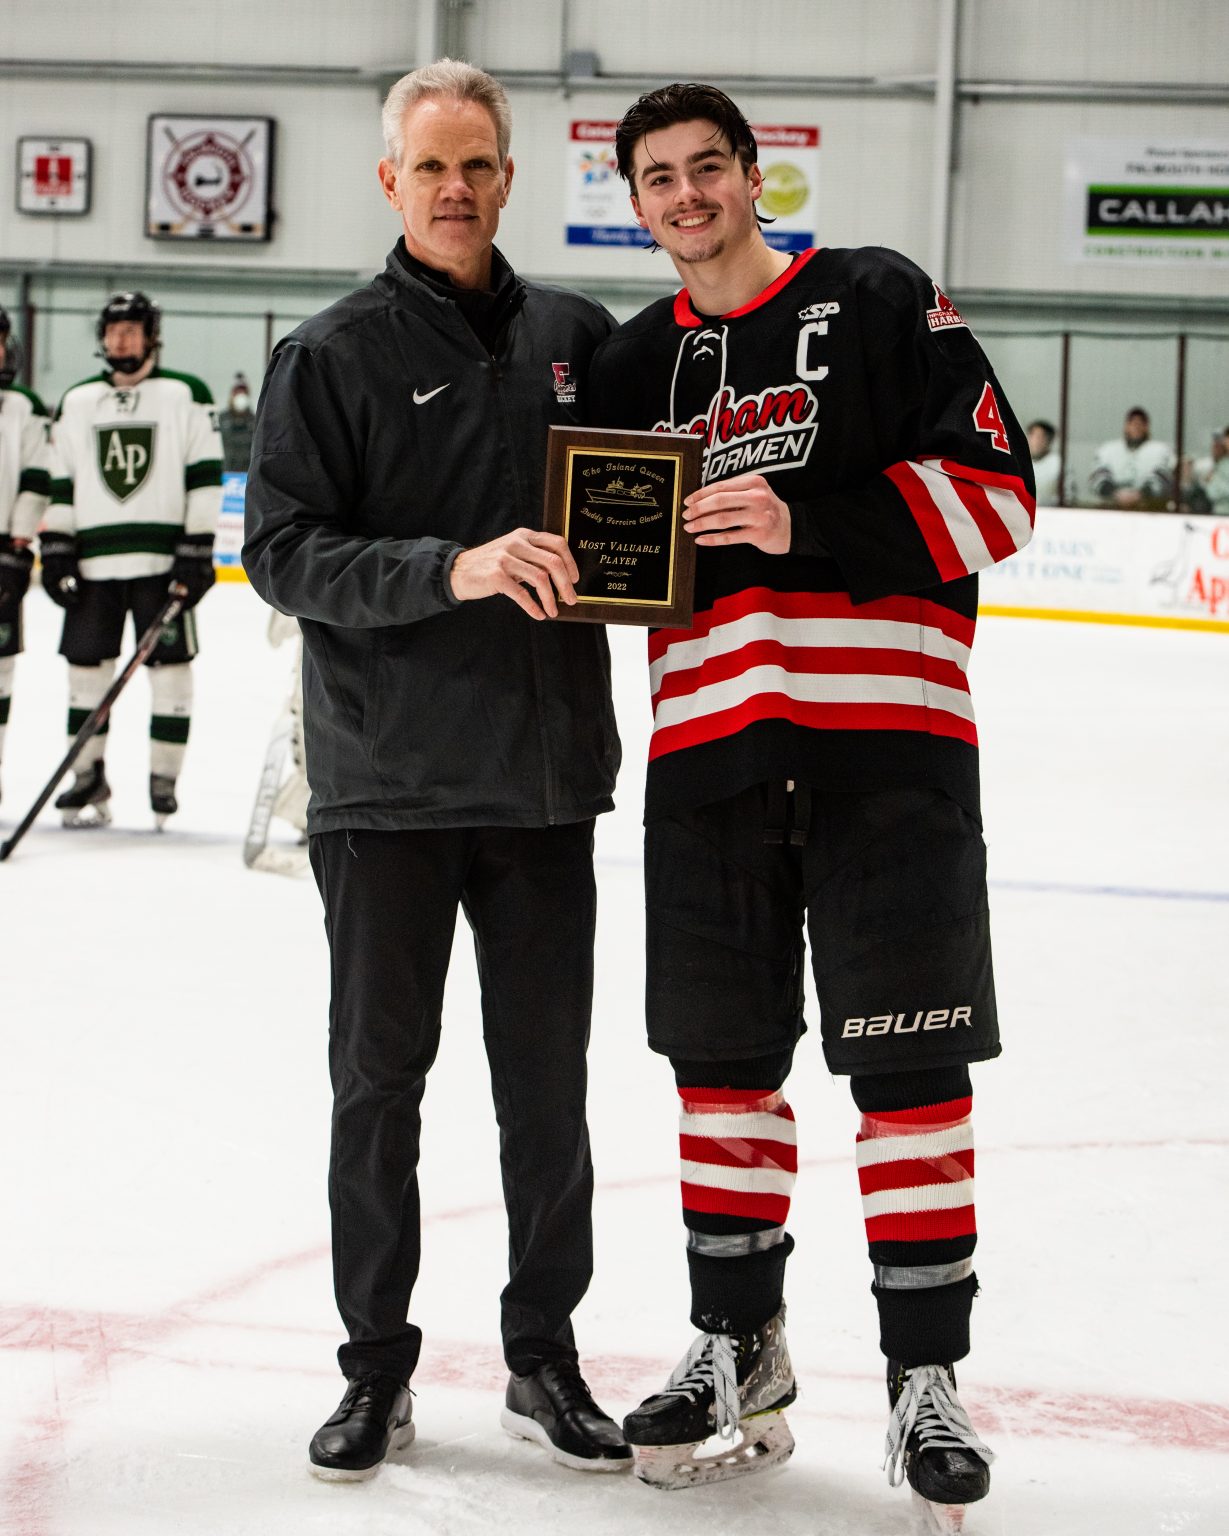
(451, 78)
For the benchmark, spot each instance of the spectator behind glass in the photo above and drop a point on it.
(1205, 483)
(1133, 471)
(1047, 462)
(237, 422)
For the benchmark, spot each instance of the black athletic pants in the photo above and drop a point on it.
(390, 902)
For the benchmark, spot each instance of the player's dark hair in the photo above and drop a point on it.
(682, 103)
(1048, 427)
(1138, 410)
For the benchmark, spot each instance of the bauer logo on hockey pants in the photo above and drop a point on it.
(125, 455)
(908, 1023)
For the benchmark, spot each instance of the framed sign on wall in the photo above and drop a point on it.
(53, 176)
(209, 178)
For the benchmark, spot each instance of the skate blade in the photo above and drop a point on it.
(88, 816)
(937, 1519)
(400, 1440)
(764, 1442)
(522, 1428)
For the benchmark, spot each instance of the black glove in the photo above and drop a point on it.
(61, 574)
(14, 573)
(193, 567)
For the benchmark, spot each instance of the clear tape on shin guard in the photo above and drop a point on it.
(738, 1153)
(915, 1172)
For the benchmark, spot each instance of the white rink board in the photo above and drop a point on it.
(165, 1301)
(1167, 569)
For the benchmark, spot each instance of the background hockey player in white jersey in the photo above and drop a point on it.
(135, 492)
(23, 496)
(1134, 471)
(813, 768)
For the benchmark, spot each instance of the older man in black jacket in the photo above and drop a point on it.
(459, 746)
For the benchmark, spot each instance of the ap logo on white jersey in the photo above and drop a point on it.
(125, 455)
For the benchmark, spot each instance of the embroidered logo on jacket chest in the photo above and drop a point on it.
(565, 384)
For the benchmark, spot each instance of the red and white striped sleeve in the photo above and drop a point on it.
(956, 490)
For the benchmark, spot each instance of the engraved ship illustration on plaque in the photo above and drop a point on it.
(616, 494)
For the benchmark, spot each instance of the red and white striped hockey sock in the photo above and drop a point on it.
(739, 1159)
(915, 1169)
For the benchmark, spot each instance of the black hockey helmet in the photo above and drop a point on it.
(11, 366)
(129, 306)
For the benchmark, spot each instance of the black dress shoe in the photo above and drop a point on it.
(554, 1407)
(372, 1419)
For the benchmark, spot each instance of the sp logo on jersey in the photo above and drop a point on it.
(944, 316)
(125, 455)
(565, 384)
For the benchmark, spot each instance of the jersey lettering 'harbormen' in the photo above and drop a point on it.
(845, 662)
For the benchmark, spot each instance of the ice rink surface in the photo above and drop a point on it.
(166, 1319)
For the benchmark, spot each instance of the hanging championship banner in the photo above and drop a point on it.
(208, 178)
(599, 210)
(53, 176)
(1147, 202)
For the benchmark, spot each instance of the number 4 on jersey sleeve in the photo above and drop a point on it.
(987, 418)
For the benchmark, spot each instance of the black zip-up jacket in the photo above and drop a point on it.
(389, 439)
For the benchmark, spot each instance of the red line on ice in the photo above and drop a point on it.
(99, 1340)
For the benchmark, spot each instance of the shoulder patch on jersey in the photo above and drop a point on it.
(200, 390)
(944, 316)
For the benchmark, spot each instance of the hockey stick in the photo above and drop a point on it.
(145, 645)
(256, 851)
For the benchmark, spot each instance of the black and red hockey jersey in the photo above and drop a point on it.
(854, 385)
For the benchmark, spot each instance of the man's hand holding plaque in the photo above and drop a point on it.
(616, 498)
(516, 563)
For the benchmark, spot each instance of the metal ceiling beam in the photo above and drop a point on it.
(916, 87)
(946, 81)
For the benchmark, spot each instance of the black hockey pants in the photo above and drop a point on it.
(390, 902)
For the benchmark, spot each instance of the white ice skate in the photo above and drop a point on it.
(721, 1414)
(931, 1442)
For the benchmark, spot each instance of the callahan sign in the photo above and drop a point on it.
(1145, 203)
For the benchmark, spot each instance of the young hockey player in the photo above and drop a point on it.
(135, 491)
(814, 762)
(23, 496)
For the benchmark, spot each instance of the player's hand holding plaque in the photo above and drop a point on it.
(617, 498)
